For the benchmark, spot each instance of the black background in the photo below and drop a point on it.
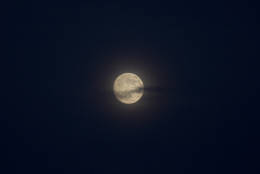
(59, 111)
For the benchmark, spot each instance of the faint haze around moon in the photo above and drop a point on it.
(128, 88)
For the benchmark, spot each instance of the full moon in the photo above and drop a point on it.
(128, 88)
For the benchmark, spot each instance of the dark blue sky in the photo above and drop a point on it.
(199, 59)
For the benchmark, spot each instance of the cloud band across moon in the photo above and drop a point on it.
(149, 90)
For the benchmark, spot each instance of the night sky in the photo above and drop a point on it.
(196, 59)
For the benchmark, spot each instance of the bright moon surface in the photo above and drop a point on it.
(128, 88)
